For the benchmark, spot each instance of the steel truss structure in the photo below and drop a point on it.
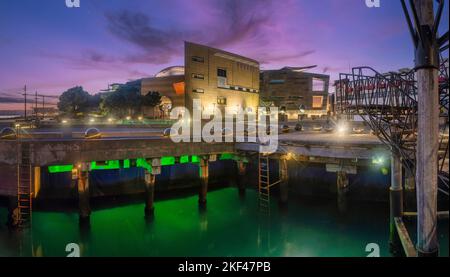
(388, 104)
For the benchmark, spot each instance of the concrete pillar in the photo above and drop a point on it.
(342, 187)
(396, 201)
(13, 217)
(427, 143)
(83, 194)
(204, 178)
(284, 181)
(242, 169)
(149, 193)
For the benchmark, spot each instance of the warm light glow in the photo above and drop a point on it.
(128, 117)
(140, 118)
(342, 128)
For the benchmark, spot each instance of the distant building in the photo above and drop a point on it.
(218, 78)
(45, 112)
(295, 92)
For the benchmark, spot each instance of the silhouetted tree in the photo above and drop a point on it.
(74, 100)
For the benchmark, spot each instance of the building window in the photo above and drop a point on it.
(221, 72)
(198, 76)
(198, 90)
(318, 84)
(317, 102)
(198, 59)
(221, 100)
(276, 82)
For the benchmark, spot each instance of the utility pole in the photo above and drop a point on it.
(428, 129)
(35, 104)
(25, 101)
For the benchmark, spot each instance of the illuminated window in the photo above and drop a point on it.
(198, 90)
(198, 76)
(178, 87)
(198, 59)
(317, 102)
(318, 84)
(221, 100)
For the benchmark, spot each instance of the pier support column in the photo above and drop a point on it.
(149, 193)
(204, 179)
(241, 168)
(83, 194)
(428, 131)
(396, 201)
(284, 181)
(342, 187)
(13, 212)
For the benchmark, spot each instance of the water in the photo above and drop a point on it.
(230, 227)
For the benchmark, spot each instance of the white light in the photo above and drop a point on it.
(140, 118)
(91, 120)
(64, 121)
(342, 128)
(128, 117)
(110, 120)
(17, 125)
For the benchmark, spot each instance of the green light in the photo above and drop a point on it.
(167, 160)
(227, 156)
(60, 168)
(144, 164)
(108, 165)
(184, 159)
(126, 163)
(195, 159)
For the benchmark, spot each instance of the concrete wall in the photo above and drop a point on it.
(290, 89)
(242, 78)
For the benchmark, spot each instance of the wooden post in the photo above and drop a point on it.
(204, 178)
(396, 201)
(342, 186)
(284, 181)
(427, 145)
(83, 194)
(149, 193)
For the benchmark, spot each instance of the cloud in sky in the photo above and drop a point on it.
(50, 47)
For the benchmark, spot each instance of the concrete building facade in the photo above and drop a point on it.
(295, 92)
(218, 78)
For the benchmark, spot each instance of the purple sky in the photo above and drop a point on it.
(50, 47)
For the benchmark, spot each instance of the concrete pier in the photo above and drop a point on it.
(13, 212)
(396, 202)
(284, 181)
(149, 193)
(204, 179)
(83, 194)
(342, 188)
(241, 170)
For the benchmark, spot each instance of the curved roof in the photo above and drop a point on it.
(171, 71)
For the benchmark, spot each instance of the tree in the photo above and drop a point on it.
(125, 101)
(74, 101)
(151, 99)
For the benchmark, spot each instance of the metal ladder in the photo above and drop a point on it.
(24, 183)
(264, 183)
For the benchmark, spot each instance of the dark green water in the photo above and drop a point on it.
(230, 227)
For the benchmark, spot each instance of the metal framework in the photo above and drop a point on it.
(388, 104)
